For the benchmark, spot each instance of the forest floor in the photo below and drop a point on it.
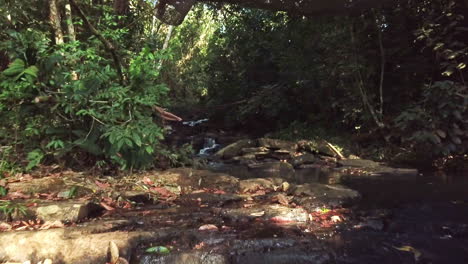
(255, 201)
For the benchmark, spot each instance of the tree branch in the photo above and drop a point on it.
(107, 44)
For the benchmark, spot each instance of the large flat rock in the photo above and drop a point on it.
(312, 195)
(70, 246)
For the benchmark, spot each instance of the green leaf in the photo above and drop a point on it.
(158, 249)
(32, 70)
(15, 68)
(137, 139)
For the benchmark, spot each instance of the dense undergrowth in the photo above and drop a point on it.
(388, 84)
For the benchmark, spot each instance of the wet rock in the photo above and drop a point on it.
(255, 150)
(136, 196)
(272, 213)
(279, 169)
(277, 144)
(359, 163)
(184, 180)
(252, 185)
(318, 146)
(246, 159)
(210, 199)
(317, 194)
(303, 159)
(235, 149)
(281, 154)
(285, 256)
(65, 211)
(373, 224)
(193, 257)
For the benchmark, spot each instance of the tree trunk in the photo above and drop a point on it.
(54, 19)
(168, 37)
(70, 26)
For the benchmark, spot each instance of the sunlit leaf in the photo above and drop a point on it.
(461, 66)
(158, 250)
(417, 254)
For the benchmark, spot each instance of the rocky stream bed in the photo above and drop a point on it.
(253, 201)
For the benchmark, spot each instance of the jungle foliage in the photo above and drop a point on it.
(392, 77)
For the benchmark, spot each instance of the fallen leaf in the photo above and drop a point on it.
(106, 206)
(336, 219)
(163, 191)
(5, 226)
(199, 245)
(417, 254)
(282, 199)
(102, 185)
(52, 224)
(158, 249)
(147, 181)
(113, 252)
(208, 227)
(17, 195)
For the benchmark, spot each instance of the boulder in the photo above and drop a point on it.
(246, 158)
(65, 211)
(235, 149)
(319, 146)
(77, 245)
(272, 213)
(255, 150)
(210, 199)
(306, 158)
(252, 185)
(276, 144)
(358, 163)
(279, 169)
(312, 195)
(38, 185)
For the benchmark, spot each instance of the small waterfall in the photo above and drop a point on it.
(194, 123)
(209, 147)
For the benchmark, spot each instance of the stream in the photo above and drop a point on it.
(254, 201)
(422, 219)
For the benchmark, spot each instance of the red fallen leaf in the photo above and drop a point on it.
(163, 191)
(199, 245)
(31, 205)
(146, 212)
(208, 227)
(102, 185)
(199, 191)
(17, 195)
(5, 226)
(259, 192)
(219, 192)
(281, 220)
(47, 196)
(106, 206)
(147, 181)
(52, 224)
